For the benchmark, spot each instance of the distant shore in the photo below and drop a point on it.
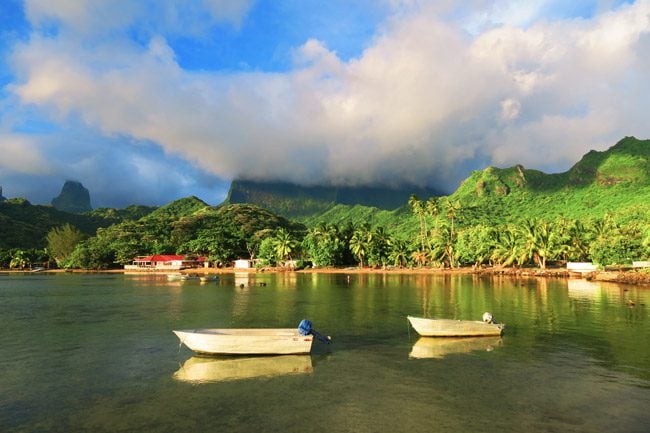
(622, 276)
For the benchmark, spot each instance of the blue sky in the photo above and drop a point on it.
(149, 101)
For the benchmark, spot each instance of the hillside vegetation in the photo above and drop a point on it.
(599, 210)
(615, 181)
(23, 225)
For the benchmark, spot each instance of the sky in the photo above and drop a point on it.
(148, 101)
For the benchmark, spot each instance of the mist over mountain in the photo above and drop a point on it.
(291, 200)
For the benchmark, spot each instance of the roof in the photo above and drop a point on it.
(160, 258)
(166, 258)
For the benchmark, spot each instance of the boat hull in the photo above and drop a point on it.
(454, 328)
(246, 341)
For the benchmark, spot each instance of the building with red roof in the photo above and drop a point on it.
(166, 262)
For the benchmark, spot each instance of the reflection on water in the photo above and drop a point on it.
(203, 369)
(583, 289)
(431, 347)
(83, 353)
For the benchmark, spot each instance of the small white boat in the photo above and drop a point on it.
(454, 328)
(201, 369)
(208, 278)
(174, 277)
(251, 341)
(279, 341)
(431, 347)
(186, 277)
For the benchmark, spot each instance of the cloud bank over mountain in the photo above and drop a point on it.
(101, 90)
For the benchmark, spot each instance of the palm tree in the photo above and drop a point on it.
(419, 257)
(418, 209)
(540, 240)
(507, 247)
(284, 244)
(442, 244)
(379, 243)
(432, 208)
(359, 242)
(399, 252)
(452, 207)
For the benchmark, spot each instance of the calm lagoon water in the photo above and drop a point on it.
(96, 353)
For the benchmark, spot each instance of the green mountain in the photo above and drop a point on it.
(74, 198)
(178, 208)
(23, 225)
(601, 182)
(614, 181)
(299, 202)
(132, 212)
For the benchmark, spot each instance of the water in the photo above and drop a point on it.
(96, 353)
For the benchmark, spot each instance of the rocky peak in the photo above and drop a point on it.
(74, 198)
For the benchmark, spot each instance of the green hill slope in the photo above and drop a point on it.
(23, 225)
(303, 202)
(613, 181)
(601, 182)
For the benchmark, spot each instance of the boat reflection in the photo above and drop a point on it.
(583, 289)
(200, 369)
(439, 347)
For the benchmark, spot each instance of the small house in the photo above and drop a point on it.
(165, 262)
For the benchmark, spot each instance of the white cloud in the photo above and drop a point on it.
(100, 17)
(422, 104)
(20, 153)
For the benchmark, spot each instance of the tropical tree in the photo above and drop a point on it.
(475, 244)
(284, 244)
(419, 257)
(359, 242)
(61, 241)
(92, 253)
(418, 209)
(452, 208)
(19, 260)
(620, 245)
(574, 239)
(432, 208)
(442, 244)
(507, 247)
(399, 252)
(540, 241)
(379, 243)
(267, 252)
(324, 245)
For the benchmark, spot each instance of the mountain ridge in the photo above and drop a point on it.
(296, 201)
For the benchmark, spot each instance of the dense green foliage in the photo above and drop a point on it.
(187, 226)
(25, 226)
(597, 211)
(62, 241)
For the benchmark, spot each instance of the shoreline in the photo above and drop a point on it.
(636, 277)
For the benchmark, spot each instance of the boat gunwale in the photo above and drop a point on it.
(491, 329)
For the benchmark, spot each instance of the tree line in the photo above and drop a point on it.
(438, 240)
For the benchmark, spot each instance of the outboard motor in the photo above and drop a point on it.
(488, 318)
(305, 328)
